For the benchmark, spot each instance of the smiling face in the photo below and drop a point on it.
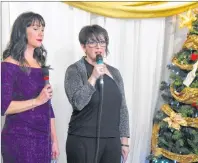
(35, 34)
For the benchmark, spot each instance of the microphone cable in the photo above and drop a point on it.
(99, 122)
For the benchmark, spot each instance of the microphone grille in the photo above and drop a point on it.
(99, 59)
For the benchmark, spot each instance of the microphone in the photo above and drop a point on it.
(99, 60)
(45, 71)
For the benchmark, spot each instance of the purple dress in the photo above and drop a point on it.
(25, 137)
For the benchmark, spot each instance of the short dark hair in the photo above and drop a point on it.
(93, 31)
(18, 40)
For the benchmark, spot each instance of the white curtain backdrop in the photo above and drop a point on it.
(139, 48)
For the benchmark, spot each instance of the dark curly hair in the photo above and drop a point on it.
(18, 40)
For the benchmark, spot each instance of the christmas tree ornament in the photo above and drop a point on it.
(175, 121)
(194, 57)
(186, 20)
(163, 160)
(191, 42)
(191, 75)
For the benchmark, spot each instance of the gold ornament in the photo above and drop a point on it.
(191, 42)
(192, 122)
(195, 11)
(182, 66)
(175, 120)
(186, 20)
(187, 95)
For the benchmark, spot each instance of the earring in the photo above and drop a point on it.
(85, 54)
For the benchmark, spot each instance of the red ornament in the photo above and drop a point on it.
(194, 57)
(194, 104)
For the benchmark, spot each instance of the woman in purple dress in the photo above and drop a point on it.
(28, 135)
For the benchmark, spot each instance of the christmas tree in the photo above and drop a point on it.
(175, 129)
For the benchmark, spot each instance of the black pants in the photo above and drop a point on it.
(82, 150)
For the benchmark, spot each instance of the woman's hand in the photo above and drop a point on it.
(125, 152)
(99, 70)
(55, 150)
(45, 95)
(124, 148)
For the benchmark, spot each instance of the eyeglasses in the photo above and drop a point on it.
(93, 44)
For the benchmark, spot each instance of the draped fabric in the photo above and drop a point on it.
(139, 48)
(134, 9)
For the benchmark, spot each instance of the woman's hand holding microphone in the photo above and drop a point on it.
(99, 70)
(44, 96)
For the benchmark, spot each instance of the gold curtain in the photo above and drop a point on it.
(134, 9)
